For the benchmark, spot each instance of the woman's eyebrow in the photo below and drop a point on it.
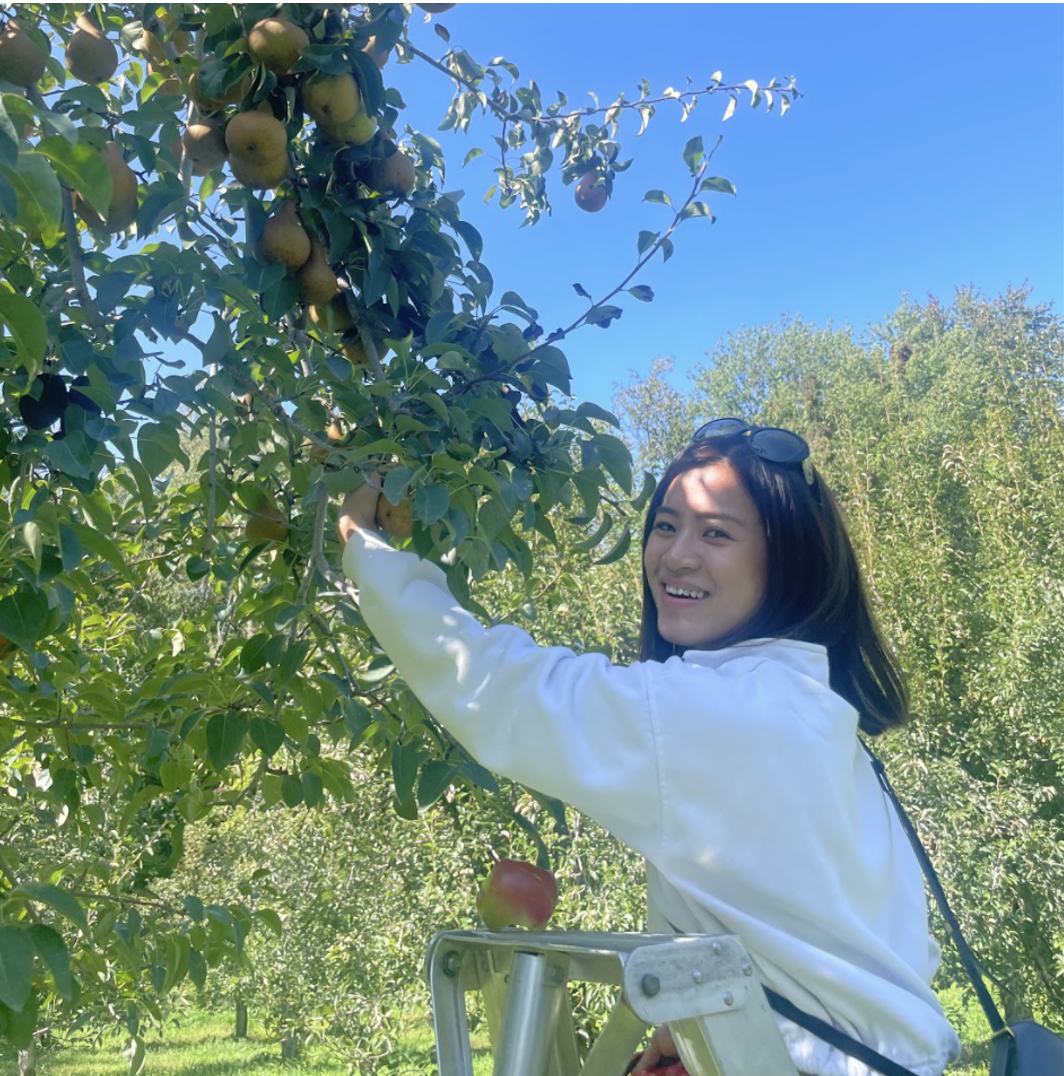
(664, 510)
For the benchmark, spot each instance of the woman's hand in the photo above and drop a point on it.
(359, 509)
(661, 1045)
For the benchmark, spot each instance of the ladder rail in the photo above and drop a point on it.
(703, 986)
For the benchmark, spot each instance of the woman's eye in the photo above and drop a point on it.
(662, 525)
(714, 532)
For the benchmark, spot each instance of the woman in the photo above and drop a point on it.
(728, 756)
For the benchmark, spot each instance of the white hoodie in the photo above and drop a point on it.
(737, 773)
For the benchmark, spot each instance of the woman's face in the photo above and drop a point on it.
(705, 559)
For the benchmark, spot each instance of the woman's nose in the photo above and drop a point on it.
(682, 552)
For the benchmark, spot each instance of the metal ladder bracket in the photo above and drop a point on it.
(689, 976)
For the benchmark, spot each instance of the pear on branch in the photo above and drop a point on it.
(331, 99)
(90, 57)
(284, 240)
(258, 149)
(392, 176)
(204, 145)
(277, 43)
(332, 317)
(317, 281)
(122, 210)
(22, 61)
(591, 194)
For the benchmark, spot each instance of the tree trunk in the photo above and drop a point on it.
(27, 1060)
(289, 1048)
(241, 1020)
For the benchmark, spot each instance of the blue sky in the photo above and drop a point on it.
(926, 154)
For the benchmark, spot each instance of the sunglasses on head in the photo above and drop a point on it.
(769, 442)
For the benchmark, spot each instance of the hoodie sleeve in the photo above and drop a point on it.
(574, 727)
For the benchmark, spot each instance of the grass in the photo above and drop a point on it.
(202, 1044)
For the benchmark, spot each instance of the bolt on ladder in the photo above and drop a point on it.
(702, 986)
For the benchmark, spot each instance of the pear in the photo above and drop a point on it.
(317, 281)
(277, 43)
(204, 145)
(89, 56)
(591, 195)
(155, 46)
(266, 522)
(333, 317)
(435, 9)
(392, 175)
(396, 519)
(356, 131)
(256, 137)
(331, 99)
(22, 61)
(123, 208)
(355, 352)
(259, 175)
(232, 96)
(284, 239)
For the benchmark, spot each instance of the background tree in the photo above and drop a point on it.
(231, 281)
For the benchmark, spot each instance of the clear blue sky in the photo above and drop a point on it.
(927, 154)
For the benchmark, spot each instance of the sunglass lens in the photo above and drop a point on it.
(720, 427)
(779, 446)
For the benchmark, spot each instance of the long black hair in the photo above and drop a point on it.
(813, 591)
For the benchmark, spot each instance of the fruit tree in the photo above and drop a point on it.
(231, 281)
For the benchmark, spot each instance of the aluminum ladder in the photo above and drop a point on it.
(702, 986)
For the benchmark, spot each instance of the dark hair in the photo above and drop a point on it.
(813, 593)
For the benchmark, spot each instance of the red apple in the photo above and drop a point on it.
(517, 894)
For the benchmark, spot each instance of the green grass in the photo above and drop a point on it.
(202, 1044)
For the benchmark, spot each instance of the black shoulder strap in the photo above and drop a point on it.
(831, 1035)
(968, 958)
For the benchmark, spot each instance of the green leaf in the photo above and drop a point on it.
(396, 483)
(53, 953)
(22, 617)
(40, 201)
(197, 969)
(271, 920)
(642, 292)
(436, 777)
(254, 653)
(81, 168)
(16, 967)
(72, 455)
(291, 790)
(8, 138)
(313, 788)
(697, 209)
(649, 484)
(59, 900)
(225, 737)
(159, 446)
(717, 183)
(592, 410)
(693, 154)
(619, 549)
(657, 196)
(266, 735)
(404, 769)
(730, 110)
(600, 532)
(431, 502)
(646, 241)
(26, 328)
(472, 155)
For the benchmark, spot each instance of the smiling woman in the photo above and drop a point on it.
(729, 755)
